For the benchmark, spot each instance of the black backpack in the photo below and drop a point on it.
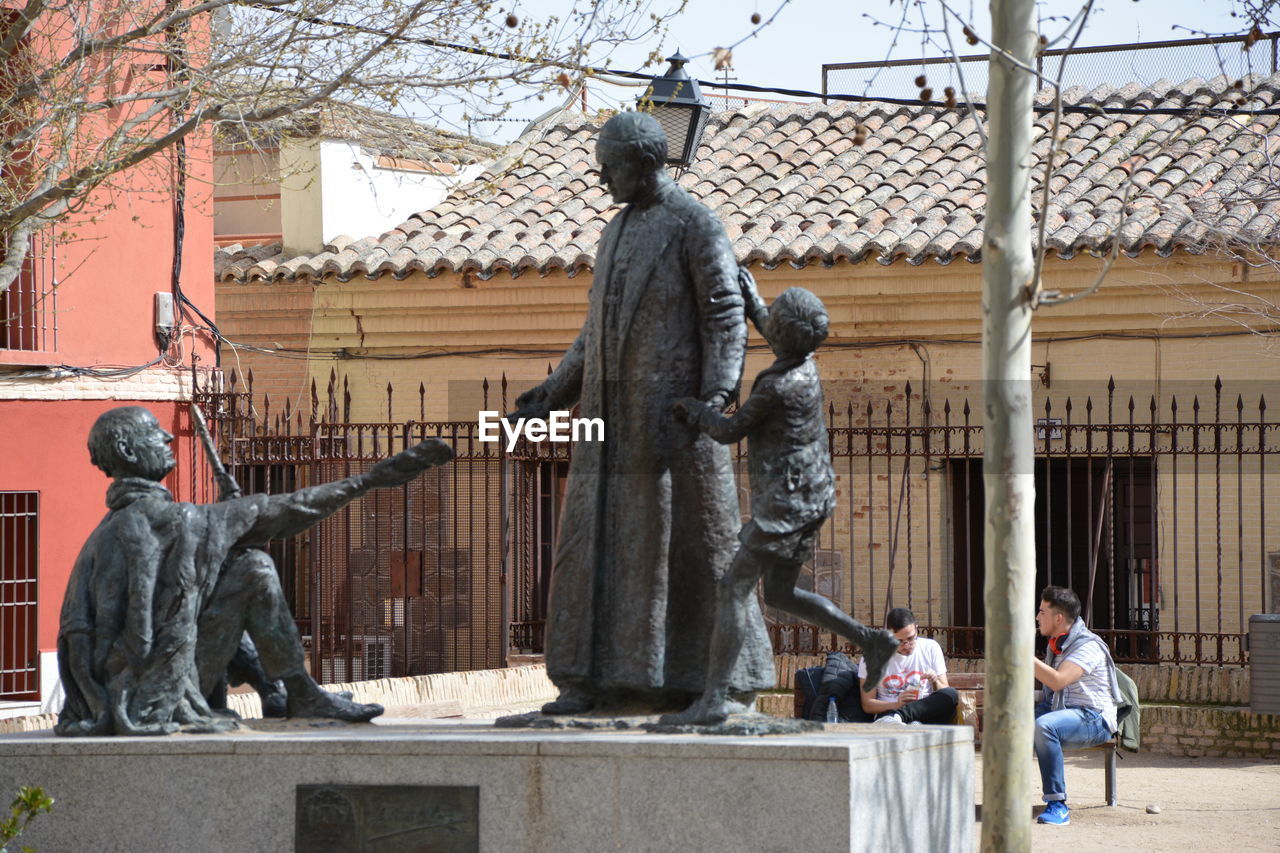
(838, 678)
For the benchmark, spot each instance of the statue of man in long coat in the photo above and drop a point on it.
(650, 513)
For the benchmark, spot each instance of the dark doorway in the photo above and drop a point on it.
(540, 485)
(1095, 532)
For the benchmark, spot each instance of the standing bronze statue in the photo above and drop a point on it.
(163, 592)
(650, 513)
(793, 493)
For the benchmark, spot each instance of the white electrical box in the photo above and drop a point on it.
(165, 318)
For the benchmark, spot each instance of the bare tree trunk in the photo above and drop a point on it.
(15, 254)
(1007, 270)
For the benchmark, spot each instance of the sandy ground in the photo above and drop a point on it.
(1208, 805)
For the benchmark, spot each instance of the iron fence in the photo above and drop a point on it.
(1154, 510)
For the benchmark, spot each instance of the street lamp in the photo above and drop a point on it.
(675, 100)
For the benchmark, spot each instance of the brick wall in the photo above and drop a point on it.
(155, 384)
(1217, 732)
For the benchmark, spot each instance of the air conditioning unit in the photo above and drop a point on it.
(370, 659)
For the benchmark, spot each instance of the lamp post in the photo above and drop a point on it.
(675, 100)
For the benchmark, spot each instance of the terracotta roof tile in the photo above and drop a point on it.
(792, 188)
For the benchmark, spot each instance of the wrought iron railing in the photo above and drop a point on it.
(1154, 510)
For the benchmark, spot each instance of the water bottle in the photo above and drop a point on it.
(833, 715)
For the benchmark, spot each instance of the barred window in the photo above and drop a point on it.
(19, 656)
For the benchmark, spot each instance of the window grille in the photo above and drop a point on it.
(19, 655)
(29, 307)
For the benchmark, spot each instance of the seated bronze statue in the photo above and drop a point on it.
(164, 591)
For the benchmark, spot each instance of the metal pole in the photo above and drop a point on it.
(1009, 478)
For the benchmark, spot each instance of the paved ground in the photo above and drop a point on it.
(1207, 805)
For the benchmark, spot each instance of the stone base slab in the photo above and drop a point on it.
(855, 788)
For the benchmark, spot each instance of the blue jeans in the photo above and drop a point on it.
(1068, 728)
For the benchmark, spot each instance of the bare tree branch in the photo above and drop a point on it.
(101, 88)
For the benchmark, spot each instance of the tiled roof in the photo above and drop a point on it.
(793, 188)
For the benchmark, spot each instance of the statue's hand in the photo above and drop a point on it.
(717, 400)
(404, 466)
(534, 403)
(686, 409)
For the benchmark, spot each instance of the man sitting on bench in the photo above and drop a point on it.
(1078, 708)
(914, 688)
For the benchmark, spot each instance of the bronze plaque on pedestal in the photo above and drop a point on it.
(387, 819)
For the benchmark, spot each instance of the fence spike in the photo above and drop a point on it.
(1069, 405)
(1111, 386)
(907, 389)
(249, 381)
(484, 392)
(235, 380)
(346, 398)
(315, 400)
(1173, 406)
(1088, 405)
(1153, 406)
(1195, 404)
(503, 386)
(1048, 405)
(967, 411)
(389, 406)
(422, 401)
(1131, 406)
(1262, 403)
(1239, 404)
(946, 407)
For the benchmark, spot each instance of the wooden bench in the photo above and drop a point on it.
(975, 683)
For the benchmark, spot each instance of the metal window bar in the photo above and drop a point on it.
(19, 586)
(29, 306)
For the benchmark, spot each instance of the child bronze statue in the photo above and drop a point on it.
(792, 494)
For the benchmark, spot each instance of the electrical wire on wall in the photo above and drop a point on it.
(180, 68)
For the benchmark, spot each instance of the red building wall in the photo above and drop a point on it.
(111, 260)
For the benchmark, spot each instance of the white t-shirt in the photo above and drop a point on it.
(904, 671)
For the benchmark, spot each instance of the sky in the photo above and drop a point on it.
(805, 34)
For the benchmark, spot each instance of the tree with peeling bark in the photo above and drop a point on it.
(1008, 285)
(1013, 254)
(90, 93)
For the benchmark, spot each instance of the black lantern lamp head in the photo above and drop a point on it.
(675, 100)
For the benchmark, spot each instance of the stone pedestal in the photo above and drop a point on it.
(850, 788)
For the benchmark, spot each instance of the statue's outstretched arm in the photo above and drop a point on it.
(737, 426)
(282, 516)
(753, 304)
